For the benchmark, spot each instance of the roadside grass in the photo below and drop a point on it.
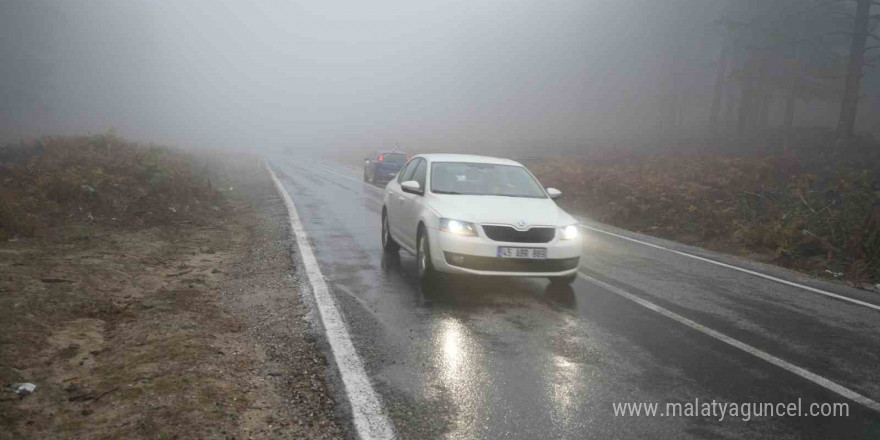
(98, 180)
(814, 209)
(147, 294)
(110, 261)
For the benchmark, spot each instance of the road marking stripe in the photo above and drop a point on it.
(366, 184)
(750, 272)
(374, 197)
(812, 377)
(370, 420)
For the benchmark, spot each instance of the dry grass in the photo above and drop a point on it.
(117, 307)
(816, 210)
(98, 180)
(123, 347)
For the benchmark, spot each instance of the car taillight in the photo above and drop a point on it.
(381, 158)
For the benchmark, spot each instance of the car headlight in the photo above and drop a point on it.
(457, 227)
(569, 232)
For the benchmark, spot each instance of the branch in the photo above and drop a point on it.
(828, 34)
(826, 206)
(804, 11)
(844, 14)
(807, 204)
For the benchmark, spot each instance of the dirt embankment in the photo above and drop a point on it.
(815, 209)
(134, 320)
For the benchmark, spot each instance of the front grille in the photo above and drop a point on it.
(509, 234)
(493, 264)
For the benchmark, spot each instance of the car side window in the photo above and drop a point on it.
(401, 172)
(406, 173)
(420, 172)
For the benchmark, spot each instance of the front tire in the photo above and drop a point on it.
(388, 243)
(563, 280)
(423, 256)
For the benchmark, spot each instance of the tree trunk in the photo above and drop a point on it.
(764, 112)
(794, 85)
(850, 101)
(791, 101)
(762, 94)
(747, 95)
(719, 89)
(729, 104)
(679, 110)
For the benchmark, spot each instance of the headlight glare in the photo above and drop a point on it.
(457, 227)
(569, 232)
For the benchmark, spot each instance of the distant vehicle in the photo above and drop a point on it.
(383, 166)
(479, 215)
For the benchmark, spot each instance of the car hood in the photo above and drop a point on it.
(501, 210)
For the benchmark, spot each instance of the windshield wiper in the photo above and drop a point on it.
(447, 192)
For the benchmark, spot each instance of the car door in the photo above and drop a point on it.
(411, 204)
(396, 198)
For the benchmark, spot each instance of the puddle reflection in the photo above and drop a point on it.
(460, 362)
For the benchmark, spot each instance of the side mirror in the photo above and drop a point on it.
(554, 193)
(411, 186)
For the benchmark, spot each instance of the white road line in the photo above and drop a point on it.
(812, 377)
(750, 272)
(368, 185)
(370, 420)
(365, 184)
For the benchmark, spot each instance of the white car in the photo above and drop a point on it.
(478, 215)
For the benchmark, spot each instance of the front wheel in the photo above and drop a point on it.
(563, 280)
(388, 243)
(423, 257)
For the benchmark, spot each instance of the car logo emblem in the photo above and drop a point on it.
(521, 224)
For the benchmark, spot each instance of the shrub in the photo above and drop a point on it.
(816, 211)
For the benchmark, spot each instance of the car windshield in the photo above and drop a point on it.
(484, 179)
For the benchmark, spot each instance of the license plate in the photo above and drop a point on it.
(522, 252)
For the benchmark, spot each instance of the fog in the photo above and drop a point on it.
(332, 75)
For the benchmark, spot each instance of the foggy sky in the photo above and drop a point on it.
(342, 74)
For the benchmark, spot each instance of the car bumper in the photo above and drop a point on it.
(479, 256)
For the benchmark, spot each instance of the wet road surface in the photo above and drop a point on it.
(515, 358)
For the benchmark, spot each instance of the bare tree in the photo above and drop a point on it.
(854, 70)
(720, 74)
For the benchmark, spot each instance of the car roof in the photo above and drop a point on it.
(468, 158)
(390, 152)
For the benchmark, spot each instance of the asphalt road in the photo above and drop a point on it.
(516, 359)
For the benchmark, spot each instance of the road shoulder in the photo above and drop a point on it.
(195, 329)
